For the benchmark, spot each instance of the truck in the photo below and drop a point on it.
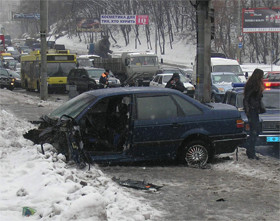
(132, 68)
(2, 43)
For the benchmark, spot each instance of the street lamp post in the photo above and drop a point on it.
(43, 35)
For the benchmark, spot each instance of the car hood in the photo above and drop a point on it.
(187, 84)
(226, 86)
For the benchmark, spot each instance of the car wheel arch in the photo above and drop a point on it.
(193, 138)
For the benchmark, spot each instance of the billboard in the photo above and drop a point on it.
(261, 20)
(88, 25)
(124, 19)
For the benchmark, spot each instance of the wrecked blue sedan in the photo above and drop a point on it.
(132, 124)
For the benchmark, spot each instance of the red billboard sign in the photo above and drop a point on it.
(142, 19)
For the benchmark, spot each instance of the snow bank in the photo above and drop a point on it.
(56, 190)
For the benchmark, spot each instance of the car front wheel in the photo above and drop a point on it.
(195, 153)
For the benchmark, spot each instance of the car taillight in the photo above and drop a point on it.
(239, 123)
(271, 84)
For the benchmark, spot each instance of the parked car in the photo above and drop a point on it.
(129, 124)
(270, 121)
(220, 83)
(16, 76)
(171, 70)
(272, 79)
(87, 78)
(6, 80)
(160, 80)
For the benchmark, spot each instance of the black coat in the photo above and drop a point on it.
(175, 85)
(253, 102)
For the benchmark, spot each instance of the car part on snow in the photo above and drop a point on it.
(139, 185)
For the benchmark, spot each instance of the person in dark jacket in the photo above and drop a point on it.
(175, 83)
(103, 80)
(253, 107)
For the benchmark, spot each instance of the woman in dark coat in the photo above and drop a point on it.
(253, 107)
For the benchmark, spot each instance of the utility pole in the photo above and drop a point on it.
(203, 68)
(239, 36)
(43, 35)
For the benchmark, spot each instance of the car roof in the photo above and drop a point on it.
(222, 73)
(164, 74)
(131, 90)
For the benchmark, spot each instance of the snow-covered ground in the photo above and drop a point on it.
(56, 190)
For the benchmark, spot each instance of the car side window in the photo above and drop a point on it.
(160, 80)
(156, 79)
(156, 107)
(187, 107)
(232, 100)
(227, 97)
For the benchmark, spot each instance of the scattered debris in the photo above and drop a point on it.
(140, 185)
(220, 200)
(27, 211)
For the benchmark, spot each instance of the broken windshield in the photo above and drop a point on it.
(74, 106)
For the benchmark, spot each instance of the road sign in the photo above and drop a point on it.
(240, 45)
(240, 38)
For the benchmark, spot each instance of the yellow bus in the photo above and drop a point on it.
(59, 64)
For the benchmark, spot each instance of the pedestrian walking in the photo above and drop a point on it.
(104, 79)
(175, 83)
(253, 106)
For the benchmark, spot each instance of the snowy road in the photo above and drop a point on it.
(227, 190)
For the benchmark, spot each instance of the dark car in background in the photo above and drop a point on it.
(16, 76)
(220, 83)
(87, 78)
(270, 120)
(129, 124)
(8, 40)
(6, 80)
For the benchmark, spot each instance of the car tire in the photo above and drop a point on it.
(195, 153)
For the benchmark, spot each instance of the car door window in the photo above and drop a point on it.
(160, 80)
(232, 100)
(156, 107)
(156, 79)
(187, 107)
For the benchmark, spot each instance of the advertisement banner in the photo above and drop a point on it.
(261, 20)
(124, 19)
(88, 25)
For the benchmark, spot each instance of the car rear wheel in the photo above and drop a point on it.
(195, 153)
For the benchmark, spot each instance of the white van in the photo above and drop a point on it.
(225, 65)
